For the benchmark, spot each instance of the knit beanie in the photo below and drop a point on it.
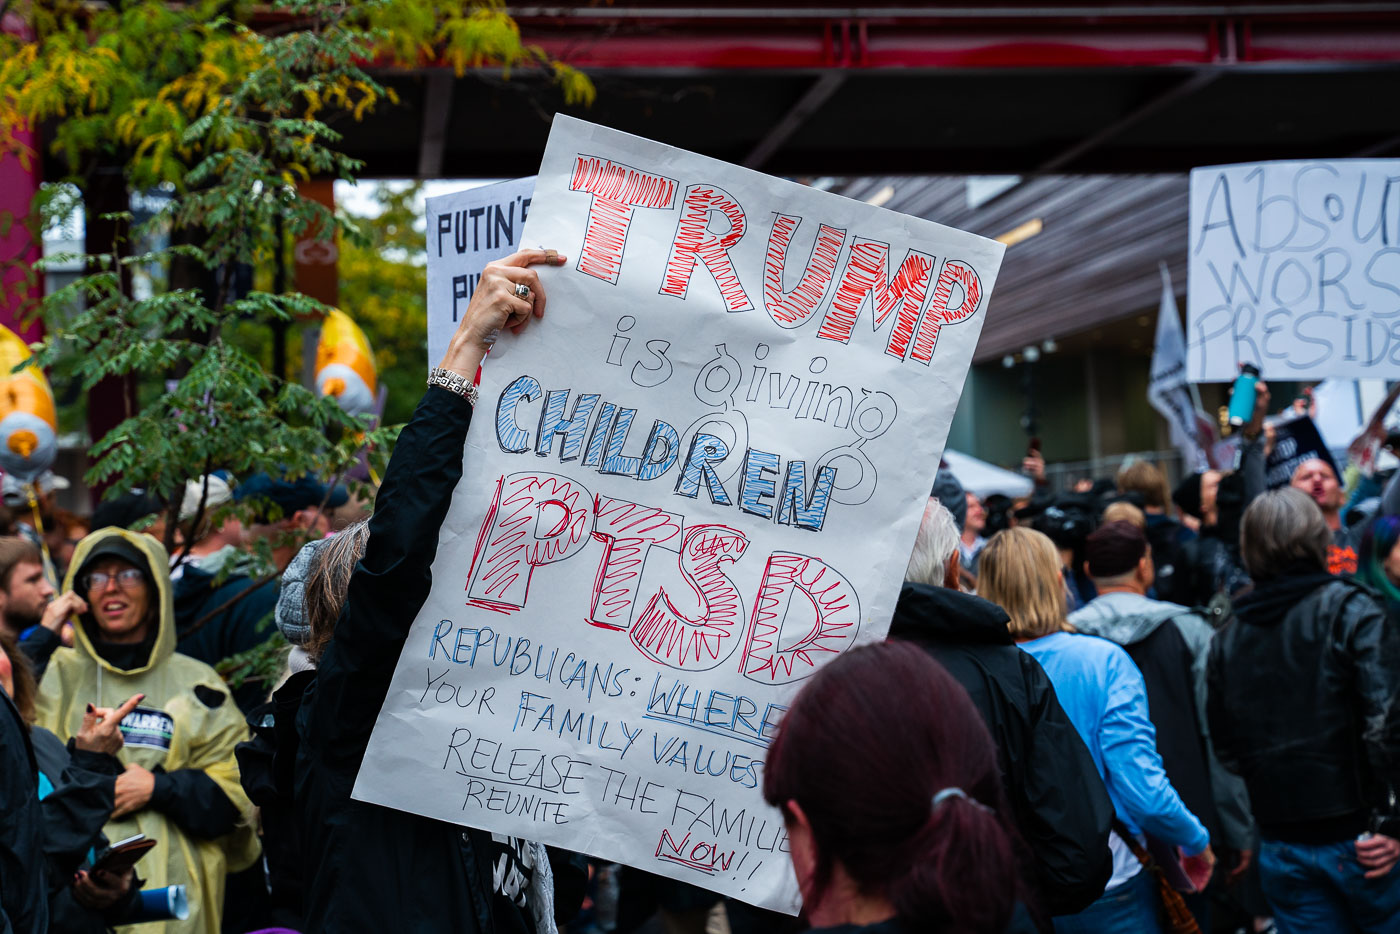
(290, 615)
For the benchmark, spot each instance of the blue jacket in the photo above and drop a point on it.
(1103, 692)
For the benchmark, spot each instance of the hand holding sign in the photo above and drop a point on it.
(651, 543)
(498, 303)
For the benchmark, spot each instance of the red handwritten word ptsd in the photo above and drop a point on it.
(540, 519)
(920, 304)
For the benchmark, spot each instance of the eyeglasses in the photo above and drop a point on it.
(128, 579)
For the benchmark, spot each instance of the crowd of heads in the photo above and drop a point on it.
(887, 793)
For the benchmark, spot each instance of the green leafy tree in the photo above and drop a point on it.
(383, 286)
(226, 119)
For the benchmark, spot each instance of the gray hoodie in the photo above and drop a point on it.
(1128, 618)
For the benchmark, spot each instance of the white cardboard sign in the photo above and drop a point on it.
(694, 482)
(1295, 267)
(467, 230)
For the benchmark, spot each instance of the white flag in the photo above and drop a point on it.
(1167, 389)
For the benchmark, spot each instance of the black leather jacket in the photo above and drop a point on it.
(1303, 689)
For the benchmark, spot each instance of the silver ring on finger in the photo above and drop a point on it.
(522, 290)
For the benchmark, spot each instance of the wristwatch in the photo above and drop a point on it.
(453, 381)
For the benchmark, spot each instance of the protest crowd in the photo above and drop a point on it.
(1110, 709)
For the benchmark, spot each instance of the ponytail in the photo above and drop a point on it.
(877, 749)
(960, 870)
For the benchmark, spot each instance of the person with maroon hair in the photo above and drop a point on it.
(889, 788)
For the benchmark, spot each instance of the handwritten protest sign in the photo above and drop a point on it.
(1295, 267)
(694, 482)
(467, 230)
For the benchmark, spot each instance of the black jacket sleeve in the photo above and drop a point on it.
(79, 805)
(1222, 736)
(390, 583)
(1372, 644)
(195, 802)
(1252, 464)
(1067, 813)
(39, 648)
(570, 872)
(23, 888)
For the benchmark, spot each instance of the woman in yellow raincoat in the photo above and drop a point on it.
(180, 786)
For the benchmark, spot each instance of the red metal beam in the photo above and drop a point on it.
(782, 35)
(822, 34)
(886, 48)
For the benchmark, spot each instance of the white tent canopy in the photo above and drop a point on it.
(983, 478)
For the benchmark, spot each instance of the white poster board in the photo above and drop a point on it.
(695, 481)
(467, 230)
(1295, 267)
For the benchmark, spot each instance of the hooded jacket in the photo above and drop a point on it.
(184, 731)
(1303, 689)
(1171, 645)
(1062, 811)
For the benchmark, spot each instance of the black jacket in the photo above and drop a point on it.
(1060, 805)
(75, 811)
(1170, 558)
(243, 623)
(267, 771)
(1303, 687)
(372, 868)
(23, 891)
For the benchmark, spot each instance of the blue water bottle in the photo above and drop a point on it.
(1242, 395)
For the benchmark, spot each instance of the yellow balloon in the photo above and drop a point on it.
(28, 424)
(345, 364)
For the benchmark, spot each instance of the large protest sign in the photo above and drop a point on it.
(1295, 267)
(694, 482)
(467, 230)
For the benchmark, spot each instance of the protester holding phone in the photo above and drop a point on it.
(75, 788)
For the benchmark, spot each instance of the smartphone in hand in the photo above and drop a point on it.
(122, 855)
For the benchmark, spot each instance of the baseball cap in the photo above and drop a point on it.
(291, 495)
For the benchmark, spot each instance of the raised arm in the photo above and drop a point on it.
(392, 580)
